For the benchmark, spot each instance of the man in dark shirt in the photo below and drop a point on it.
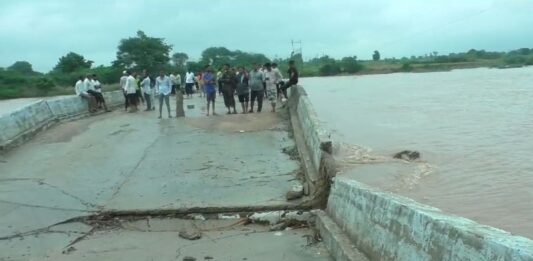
(229, 82)
(293, 78)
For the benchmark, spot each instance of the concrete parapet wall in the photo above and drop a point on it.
(313, 143)
(21, 124)
(66, 107)
(389, 227)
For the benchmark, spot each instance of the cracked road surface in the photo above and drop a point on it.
(134, 162)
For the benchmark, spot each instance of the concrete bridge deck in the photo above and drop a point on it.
(122, 186)
(134, 164)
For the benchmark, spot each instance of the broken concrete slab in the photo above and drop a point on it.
(41, 242)
(220, 242)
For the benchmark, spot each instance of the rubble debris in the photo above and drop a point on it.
(296, 192)
(69, 250)
(292, 195)
(407, 155)
(190, 234)
(228, 216)
(282, 220)
(292, 151)
(303, 216)
(196, 216)
(272, 217)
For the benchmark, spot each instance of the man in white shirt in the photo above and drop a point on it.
(98, 93)
(163, 88)
(172, 78)
(278, 81)
(147, 91)
(82, 92)
(123, 86)
(271, 78)
(189, 83)
(131, 91)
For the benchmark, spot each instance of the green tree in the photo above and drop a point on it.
(376, 56)
(350, 64)
(180, 59)
(44, 84)
(194, 67)
(143, 52)
(217, 56)
(329, 69)
(22, 67)
(72, 62)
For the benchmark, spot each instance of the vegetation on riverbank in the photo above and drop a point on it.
(142, 52)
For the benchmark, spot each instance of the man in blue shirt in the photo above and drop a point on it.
(209, 88)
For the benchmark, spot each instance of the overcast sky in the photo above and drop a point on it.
(40, 31)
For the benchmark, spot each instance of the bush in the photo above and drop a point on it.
(406, 67)
(12, 78)
(10, 92)
(515, 59)
(329, 69)
(44, 84)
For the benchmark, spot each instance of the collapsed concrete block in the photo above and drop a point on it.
(297, 191)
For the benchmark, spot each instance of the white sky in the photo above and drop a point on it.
(40, 31)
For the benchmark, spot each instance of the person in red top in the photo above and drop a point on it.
(200, 83)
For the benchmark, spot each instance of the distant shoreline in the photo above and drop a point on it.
(373, 68)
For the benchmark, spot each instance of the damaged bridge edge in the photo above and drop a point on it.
(314, 147)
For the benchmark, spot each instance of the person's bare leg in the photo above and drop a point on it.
(105, 107)
(213, 107)
(167, 102)
(208, 103)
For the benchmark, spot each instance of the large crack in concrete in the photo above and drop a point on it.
(132, 172)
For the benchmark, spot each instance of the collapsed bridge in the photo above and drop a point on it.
(128, 186)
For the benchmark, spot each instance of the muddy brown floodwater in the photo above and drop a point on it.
(472, 127)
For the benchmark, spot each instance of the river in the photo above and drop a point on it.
(473, 127)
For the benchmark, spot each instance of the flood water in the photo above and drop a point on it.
(474, 129)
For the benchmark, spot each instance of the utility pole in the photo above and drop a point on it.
(296, 48)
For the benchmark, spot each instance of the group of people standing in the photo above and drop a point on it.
(252, 86)
(140, 88)
(258, 84)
